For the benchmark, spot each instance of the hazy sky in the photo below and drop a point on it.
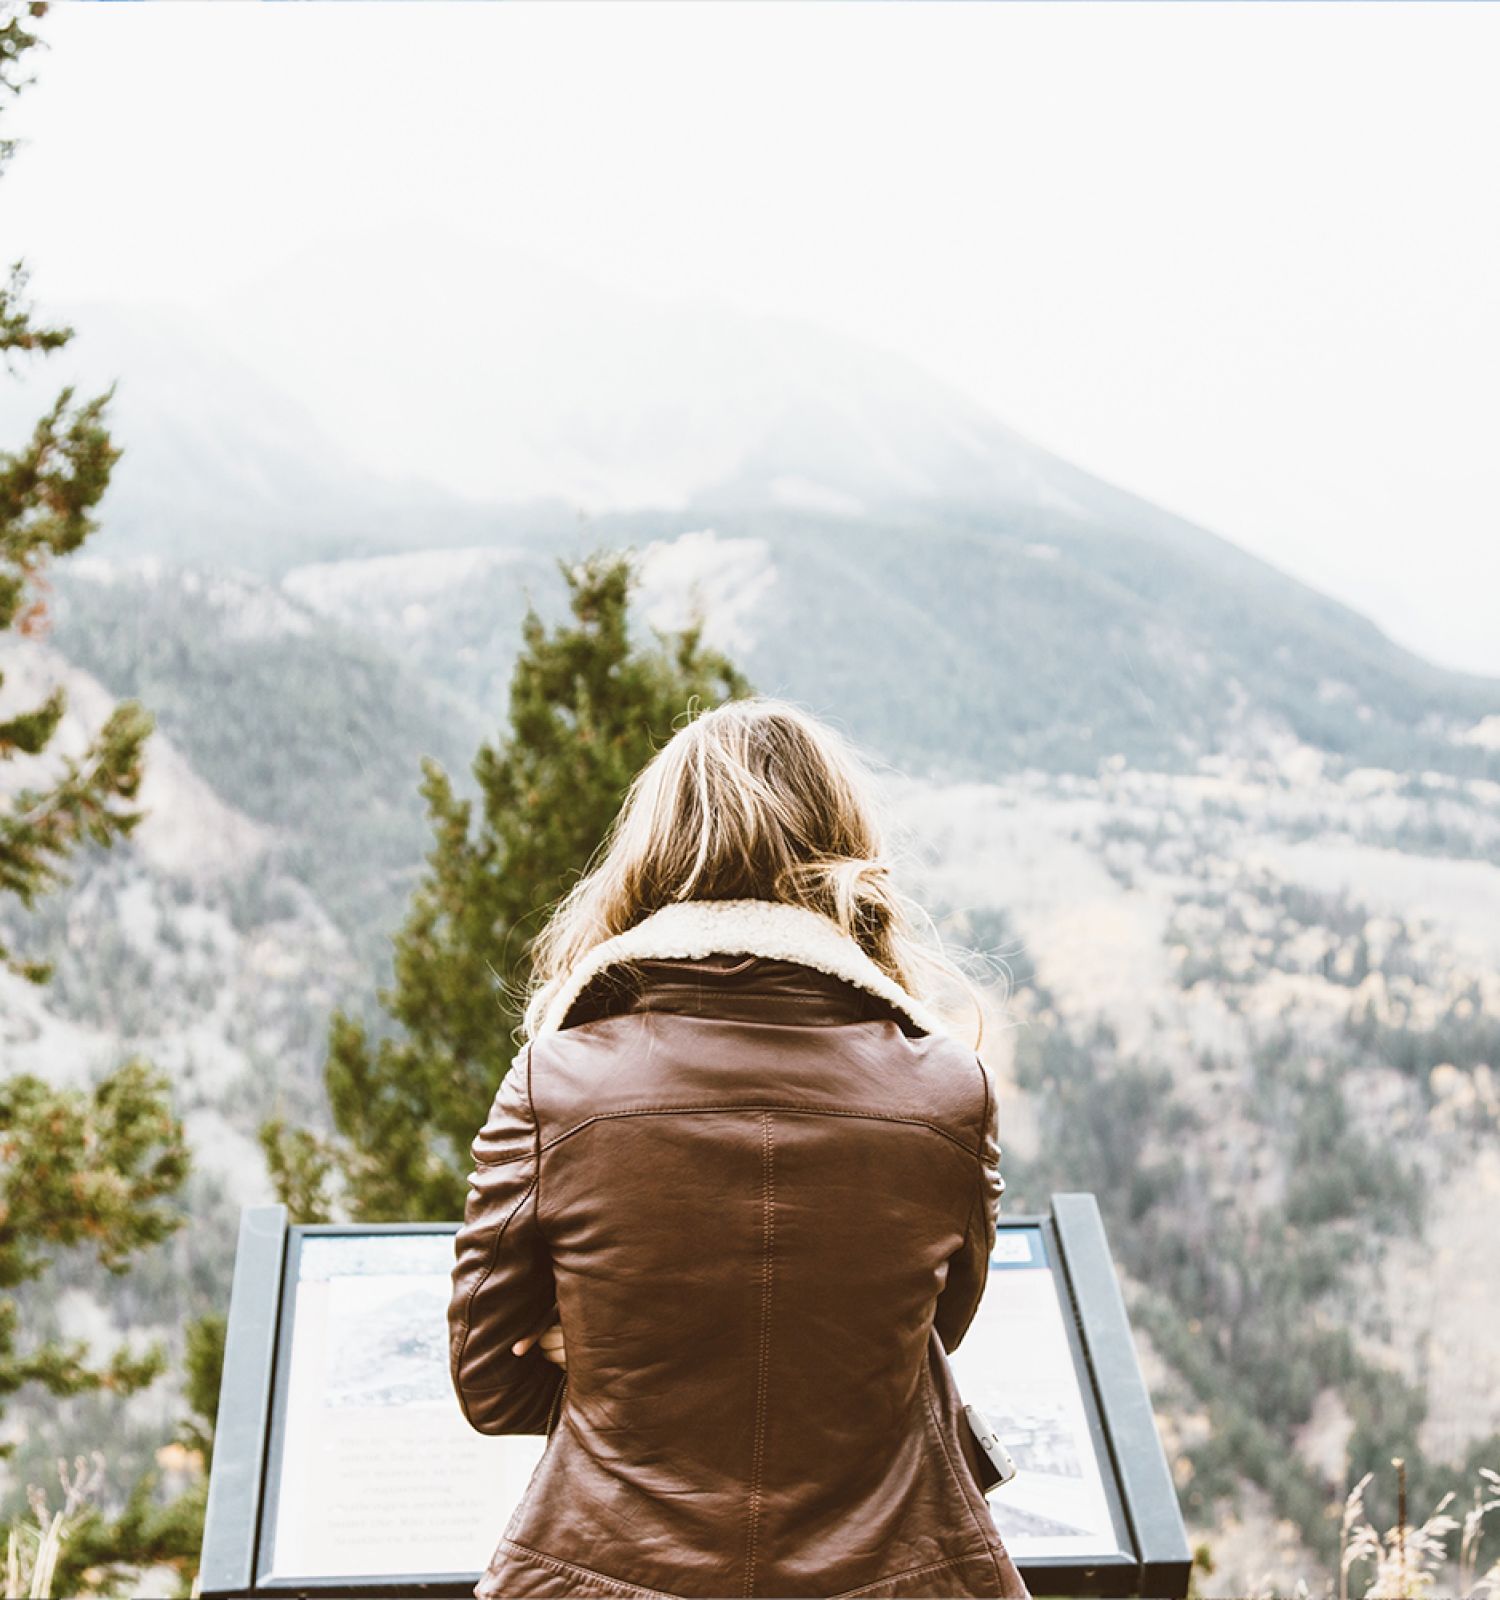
(1240, 258)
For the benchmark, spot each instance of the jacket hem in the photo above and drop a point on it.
(581, 1580)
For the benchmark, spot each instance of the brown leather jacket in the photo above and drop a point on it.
(758, 1186)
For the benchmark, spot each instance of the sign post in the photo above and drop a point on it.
(343, 1465)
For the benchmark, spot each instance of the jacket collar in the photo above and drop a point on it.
(690, 929)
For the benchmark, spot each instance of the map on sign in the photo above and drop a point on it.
(1016, 1364)
(379, 1471)
(374, 1470)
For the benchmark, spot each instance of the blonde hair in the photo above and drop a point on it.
(754, 798)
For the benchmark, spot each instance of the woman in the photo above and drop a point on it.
(733, 1205)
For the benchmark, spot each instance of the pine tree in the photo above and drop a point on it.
(47, 489)
(96, 1168)
(587, 710)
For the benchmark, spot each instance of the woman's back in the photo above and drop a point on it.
(761, 1188)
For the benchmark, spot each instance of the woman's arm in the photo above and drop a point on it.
(503, 1287)
(969, 1265)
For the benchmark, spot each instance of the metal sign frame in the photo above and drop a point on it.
(1112, 1573)
(1153, 1558)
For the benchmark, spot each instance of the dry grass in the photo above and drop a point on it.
(33, 1547)
(1410, 1561)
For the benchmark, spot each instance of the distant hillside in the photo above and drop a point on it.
(970, 641)
(963, 600)
(304, 726)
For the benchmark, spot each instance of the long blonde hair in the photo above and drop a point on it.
(754, 798)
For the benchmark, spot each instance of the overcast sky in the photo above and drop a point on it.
(1241, 259)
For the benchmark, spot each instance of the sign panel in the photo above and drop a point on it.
(1019, 1364)
(376, 1472)
(344, 1465)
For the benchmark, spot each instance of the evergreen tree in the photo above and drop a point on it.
(587, 711)
(96, 1168)
(47, 489)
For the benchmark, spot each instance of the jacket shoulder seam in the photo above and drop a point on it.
(760, 1105)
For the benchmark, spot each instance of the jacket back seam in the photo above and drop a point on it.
(763, 1368)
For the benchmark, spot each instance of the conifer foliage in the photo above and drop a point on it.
(588, 708)
(75, 1167)
(48, 487)
(95, 1168)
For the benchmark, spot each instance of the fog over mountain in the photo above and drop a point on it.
(1054, 619)
(1240, 851)
(500, 377)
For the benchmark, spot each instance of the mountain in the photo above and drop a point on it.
(1238, 853)
(220, 465)
(907, 545)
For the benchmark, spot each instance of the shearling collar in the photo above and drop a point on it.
(686, 929)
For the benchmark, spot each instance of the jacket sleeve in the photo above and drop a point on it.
(503, 1286)
(969, 1265)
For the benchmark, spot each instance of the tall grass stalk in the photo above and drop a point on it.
(32, 1548)
(1408, 1560)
